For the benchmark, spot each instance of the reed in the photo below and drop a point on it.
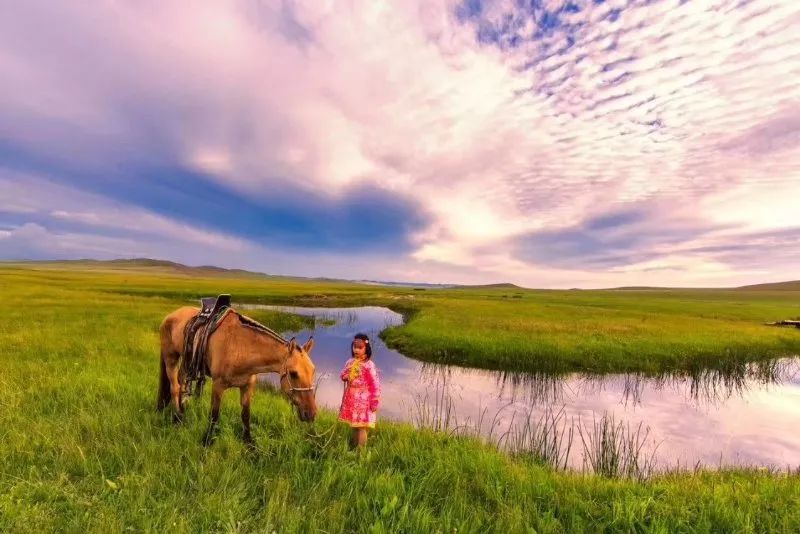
(435, 409)
(616, 449)
(547, 440)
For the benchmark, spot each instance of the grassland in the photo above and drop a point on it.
(83, 450)
(601, 331)
(647, 330)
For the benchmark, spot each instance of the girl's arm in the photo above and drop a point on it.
(345, 374)
(374, 386)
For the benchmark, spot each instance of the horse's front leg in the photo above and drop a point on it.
(217, 389)
(245, 398)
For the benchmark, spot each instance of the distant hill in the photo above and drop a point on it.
(640, 288)
(774, 286)
(793, 285)
(149, 263)
(134, 262)
(505, 285)
(201, 270)
(213, 270)
(405, 284)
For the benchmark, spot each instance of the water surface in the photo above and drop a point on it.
(743, 415)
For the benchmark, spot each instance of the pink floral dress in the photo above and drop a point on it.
(362, 393)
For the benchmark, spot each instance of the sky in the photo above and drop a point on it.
(544, 143)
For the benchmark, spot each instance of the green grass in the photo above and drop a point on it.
(600, 331)
(649, 331)
(84, 451)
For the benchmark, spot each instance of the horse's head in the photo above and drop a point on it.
(297, 379)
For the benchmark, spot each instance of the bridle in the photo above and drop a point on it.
(284, 374)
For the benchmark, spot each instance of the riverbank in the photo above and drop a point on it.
(84, 450)
(600, 331)
(614, 331)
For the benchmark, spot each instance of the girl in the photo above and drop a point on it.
(362, 391)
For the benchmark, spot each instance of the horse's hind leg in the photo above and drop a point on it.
(245, 398)
(217, 389)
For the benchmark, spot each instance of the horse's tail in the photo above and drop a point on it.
(164, 388)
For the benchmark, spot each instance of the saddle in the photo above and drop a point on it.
(194, 365)
(211, 305)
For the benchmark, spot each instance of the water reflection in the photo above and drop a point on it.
(702, 387)
(530, 388)
(738, 413)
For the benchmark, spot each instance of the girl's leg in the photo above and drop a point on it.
(358, 438)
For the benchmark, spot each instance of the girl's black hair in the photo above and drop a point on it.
(365, 339)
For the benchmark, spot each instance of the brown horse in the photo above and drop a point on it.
(239, 349)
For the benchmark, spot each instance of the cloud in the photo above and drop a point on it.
(32, 241)
(478, 140)
(781, 133)
(636, 234)
(33, 198)
(746, 251)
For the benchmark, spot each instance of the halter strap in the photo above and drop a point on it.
(284, 374)
(291, 387)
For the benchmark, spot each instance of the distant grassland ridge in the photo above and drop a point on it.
(501, 326)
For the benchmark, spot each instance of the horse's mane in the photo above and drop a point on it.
(255, 325)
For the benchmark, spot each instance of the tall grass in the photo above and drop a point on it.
(610, 449)
(435, 410)
(616, 449)
(546, 440)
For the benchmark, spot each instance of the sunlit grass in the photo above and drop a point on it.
(499, 328)
(600, 331)
(83, 449)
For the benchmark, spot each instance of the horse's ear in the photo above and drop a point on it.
(309, 345)
(291, 345)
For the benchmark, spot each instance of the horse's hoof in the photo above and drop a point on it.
(177, 419)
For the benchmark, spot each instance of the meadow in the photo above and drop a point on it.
(84, 450)
(649, 331)
(506, 328)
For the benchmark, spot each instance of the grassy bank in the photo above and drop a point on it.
(600, 331)
(501, 328)
(83, 450)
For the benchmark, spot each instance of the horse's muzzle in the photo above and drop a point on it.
(307, 415)
(306, 406)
